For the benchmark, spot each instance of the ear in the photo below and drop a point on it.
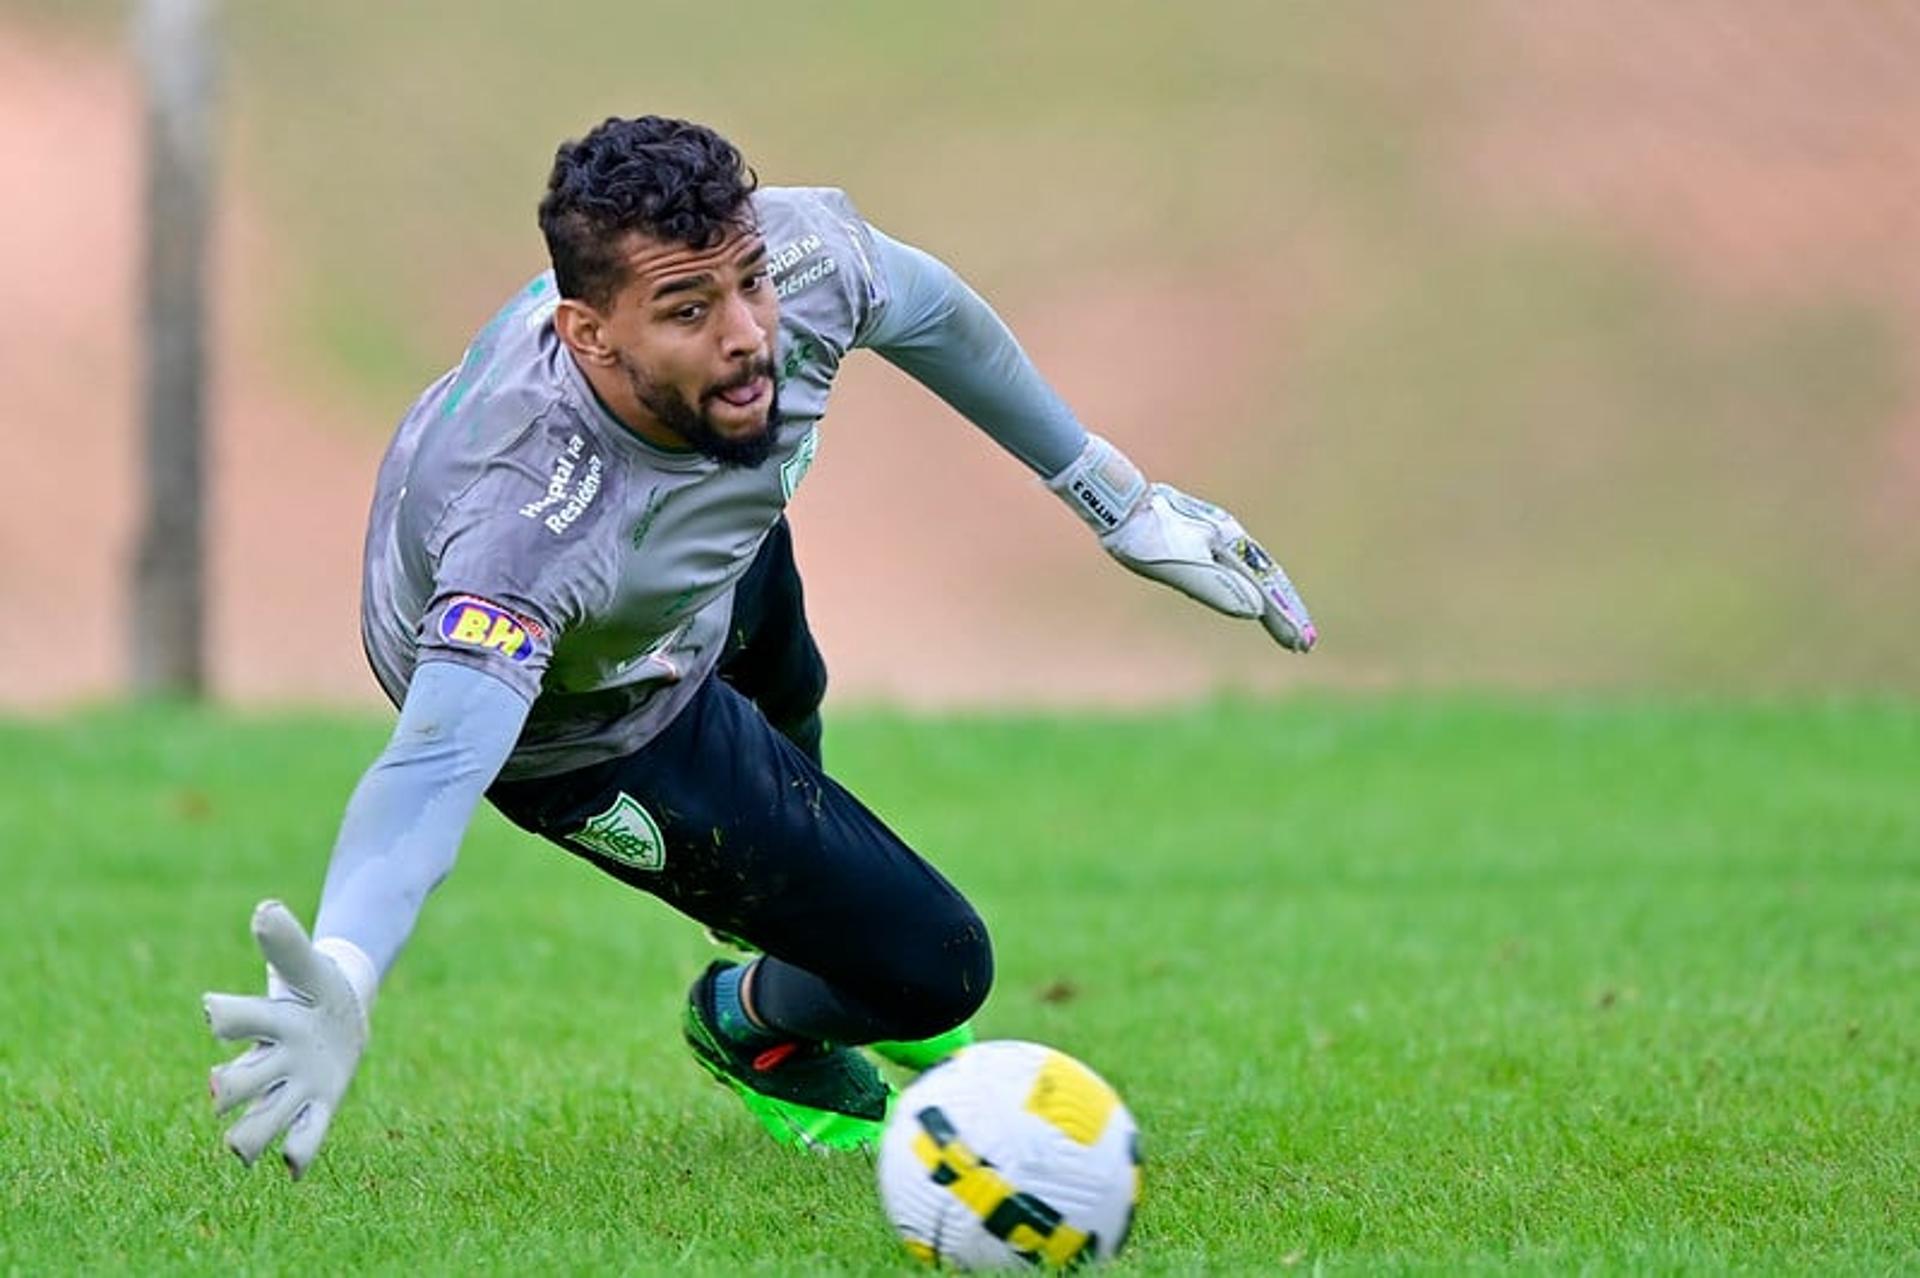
(583, 329)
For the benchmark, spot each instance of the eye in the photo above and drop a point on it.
(690, 313)
(754, 282)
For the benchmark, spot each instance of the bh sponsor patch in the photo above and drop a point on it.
(472, 622)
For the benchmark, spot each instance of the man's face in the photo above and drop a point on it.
(693, 334)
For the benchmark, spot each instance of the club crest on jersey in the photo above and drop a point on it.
(794, 469)
(475, 623)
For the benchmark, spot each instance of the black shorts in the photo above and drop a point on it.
(733, 823)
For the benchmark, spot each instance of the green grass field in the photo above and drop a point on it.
(1429, 984)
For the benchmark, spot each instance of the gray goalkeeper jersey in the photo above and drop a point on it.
(519, 529)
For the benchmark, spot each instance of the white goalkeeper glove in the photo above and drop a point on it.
(308, 1033)
(1192, 545)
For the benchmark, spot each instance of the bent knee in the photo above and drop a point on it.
(947, 984)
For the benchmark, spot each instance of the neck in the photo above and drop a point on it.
(615, 393)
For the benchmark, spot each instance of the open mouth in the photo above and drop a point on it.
(745, 394)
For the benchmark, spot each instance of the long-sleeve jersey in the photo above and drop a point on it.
(544, 590)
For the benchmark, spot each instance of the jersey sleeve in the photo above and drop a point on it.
(516, 560)
(820, 257)
(490, 630)
(403, 825)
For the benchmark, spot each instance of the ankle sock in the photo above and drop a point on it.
(730, 1012)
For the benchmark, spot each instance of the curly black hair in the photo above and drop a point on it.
(669, 178)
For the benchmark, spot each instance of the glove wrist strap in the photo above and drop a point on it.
(1101, 485)
(354, 964)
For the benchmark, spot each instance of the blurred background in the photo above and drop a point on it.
(1548, 344)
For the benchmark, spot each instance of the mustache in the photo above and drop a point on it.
(762, 367)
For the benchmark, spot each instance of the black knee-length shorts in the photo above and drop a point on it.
(740, 828)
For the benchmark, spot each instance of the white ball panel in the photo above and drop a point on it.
(983, 1093)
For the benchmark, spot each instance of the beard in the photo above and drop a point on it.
(673, 411)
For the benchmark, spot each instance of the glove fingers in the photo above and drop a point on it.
(1282, 611)
(240, 1016)
(245, 1077)
(287, 950)
(1217, 588)
(1179, 540)
(309, 1128)
(267, 1118)
(1286, 633)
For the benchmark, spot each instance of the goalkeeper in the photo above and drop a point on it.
(579, 589)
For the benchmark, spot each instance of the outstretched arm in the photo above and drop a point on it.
(397, 842)
(403, 825)
(940, 332)
(943, 334)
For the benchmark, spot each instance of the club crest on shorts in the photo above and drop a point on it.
(471, 622)
(625, 833)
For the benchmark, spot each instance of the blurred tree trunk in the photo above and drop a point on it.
(174, 42)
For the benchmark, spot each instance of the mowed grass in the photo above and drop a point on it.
(1430, 984)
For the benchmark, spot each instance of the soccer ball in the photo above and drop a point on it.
(1010, 1154)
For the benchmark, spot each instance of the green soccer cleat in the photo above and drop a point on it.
(807, 1095)
(925, 1053)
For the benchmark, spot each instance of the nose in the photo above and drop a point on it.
(741, 335)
